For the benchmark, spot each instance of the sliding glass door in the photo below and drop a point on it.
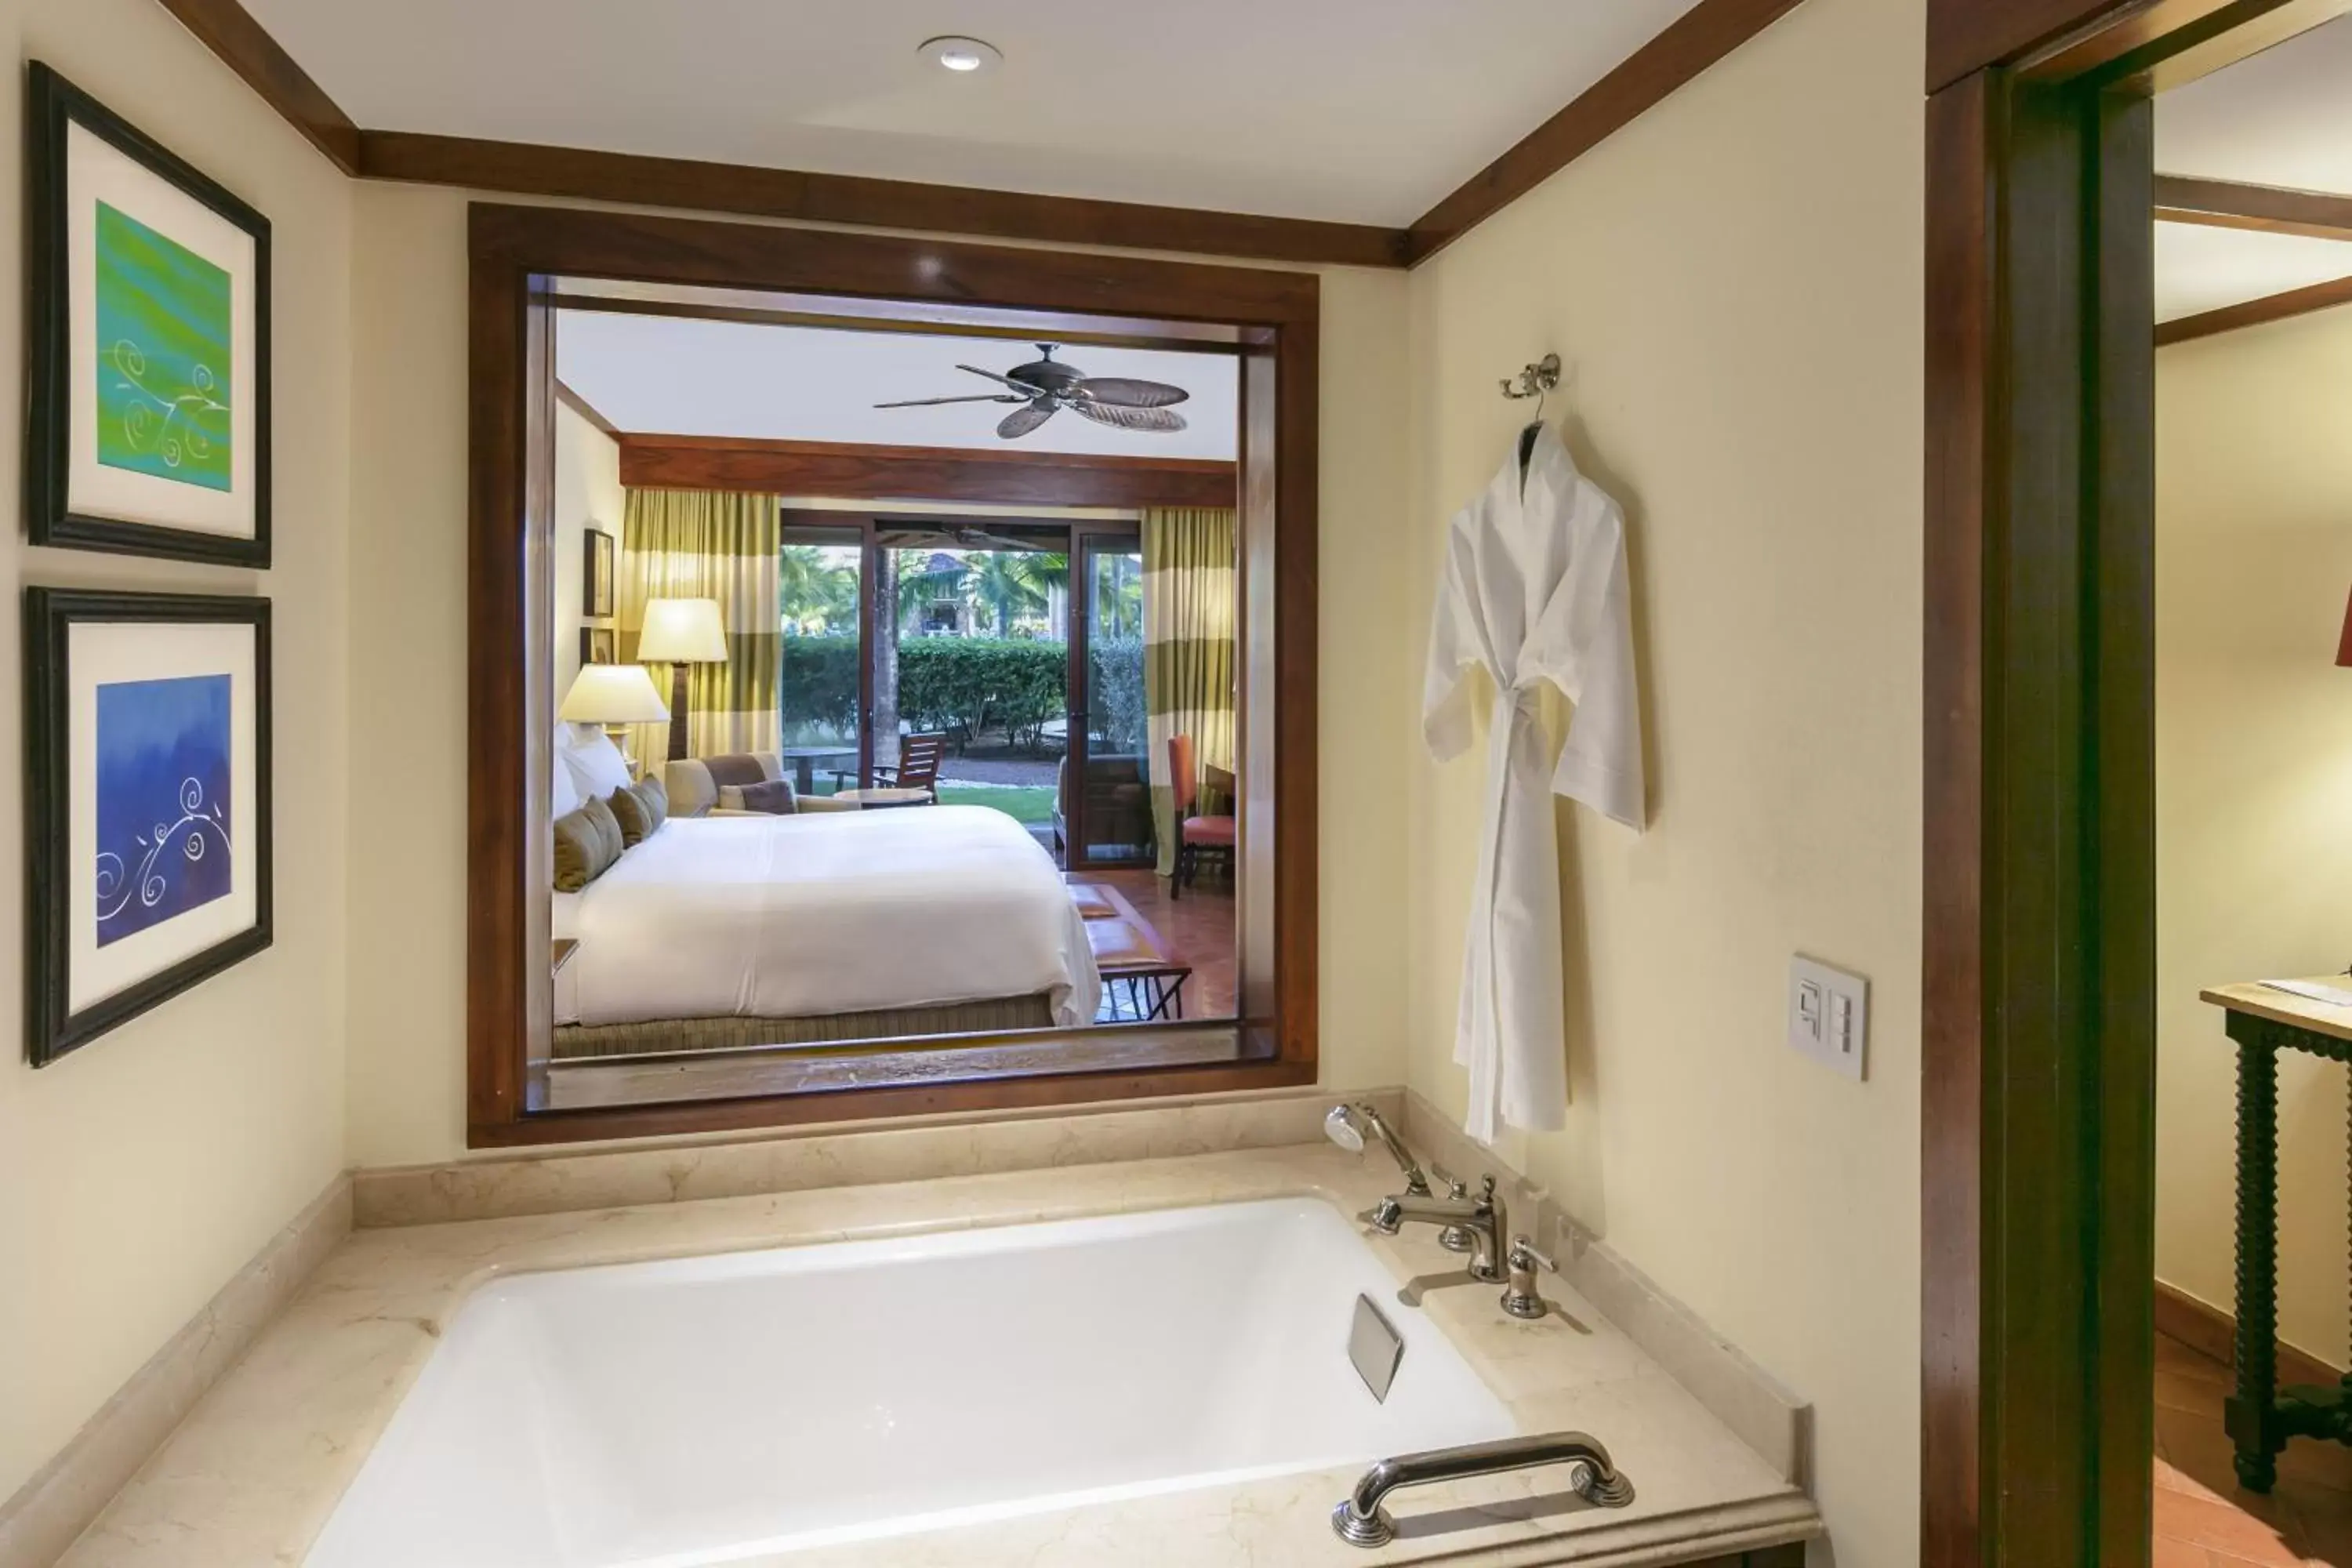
(822, 689)
(1111, 774)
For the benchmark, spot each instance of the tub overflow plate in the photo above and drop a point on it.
(1376, 1349)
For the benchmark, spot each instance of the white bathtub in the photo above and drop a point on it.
(710, 1409)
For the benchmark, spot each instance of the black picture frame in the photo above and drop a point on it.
(52, 1029)
(599, 644)
(52, 105)
(597, 569)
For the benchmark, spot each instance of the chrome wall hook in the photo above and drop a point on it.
(1534, 381)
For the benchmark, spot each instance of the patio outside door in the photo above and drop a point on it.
(1110, 766)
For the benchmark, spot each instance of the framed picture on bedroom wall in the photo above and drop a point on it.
(147, 791)
(597, 646)
(596, 574)
(148, 416)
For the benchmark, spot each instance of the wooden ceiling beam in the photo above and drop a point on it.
(2266, 209)
(528, 169)
(2255, 313)
(243, 44)
(1644, 79)
(862, 471)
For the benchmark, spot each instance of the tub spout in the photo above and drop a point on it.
(1483, 1217)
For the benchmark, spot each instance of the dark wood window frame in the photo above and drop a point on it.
(2039, 984)
(514, 255)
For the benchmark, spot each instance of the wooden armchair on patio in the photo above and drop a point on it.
(919, 757)
(1196, 837)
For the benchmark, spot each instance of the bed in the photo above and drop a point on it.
(725, 931)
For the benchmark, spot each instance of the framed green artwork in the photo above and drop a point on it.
(149, 417)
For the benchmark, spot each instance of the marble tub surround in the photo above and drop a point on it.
(254, 1472)
(1765, 1415)
(844, 1155)
(41, 1521)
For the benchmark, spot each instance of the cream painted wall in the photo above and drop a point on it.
(137, 1175)
(587, 494)
(2254, 782)
(408, 1003)
(1734, 283)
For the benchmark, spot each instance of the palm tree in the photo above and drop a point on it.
(817, 595)
(798, 569)
(1006, 582)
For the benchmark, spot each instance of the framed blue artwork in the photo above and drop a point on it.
(147, 762)
(149, 338)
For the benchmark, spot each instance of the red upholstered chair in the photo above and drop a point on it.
(1196, 837)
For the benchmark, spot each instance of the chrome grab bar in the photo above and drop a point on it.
(1360, 1520)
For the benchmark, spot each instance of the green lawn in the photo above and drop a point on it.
(1029, 805)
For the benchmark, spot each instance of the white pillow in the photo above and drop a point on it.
(566, 793)
(597, 766)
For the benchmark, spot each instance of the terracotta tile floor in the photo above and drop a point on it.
(1199, 926)
(2203, 1520)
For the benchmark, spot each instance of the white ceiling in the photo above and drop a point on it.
(2199, 268)
(683, 376)
(1363, 111)
(2281, 118)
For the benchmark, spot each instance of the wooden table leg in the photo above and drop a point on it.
(2252, 1416)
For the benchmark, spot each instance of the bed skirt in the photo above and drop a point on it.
(993, 1015)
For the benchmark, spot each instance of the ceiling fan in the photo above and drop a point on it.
(1046, 385)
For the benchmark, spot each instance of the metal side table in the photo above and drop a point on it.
(2260, 1418)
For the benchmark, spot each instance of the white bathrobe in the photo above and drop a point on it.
(1534, 590)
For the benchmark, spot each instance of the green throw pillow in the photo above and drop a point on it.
(640, 809)
(587, 842)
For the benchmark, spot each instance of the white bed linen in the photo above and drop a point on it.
(784, 917)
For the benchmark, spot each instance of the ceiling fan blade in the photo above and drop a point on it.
(1125, 392)
(973, 397)
(1021, 421)
(1022, 387)
(1160, 419)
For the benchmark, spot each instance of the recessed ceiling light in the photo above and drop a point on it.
(962, 55)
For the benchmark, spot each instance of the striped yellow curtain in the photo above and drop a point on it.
(1190, 612)
(708, 545)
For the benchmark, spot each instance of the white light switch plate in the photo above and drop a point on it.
(1829, 1016)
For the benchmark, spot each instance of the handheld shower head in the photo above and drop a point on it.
(1348, 1125)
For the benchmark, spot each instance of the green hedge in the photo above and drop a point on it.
(964, 686)
(1118, 694)
(820, 684)
(968, 687)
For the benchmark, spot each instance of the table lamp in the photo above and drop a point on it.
(679, 632)
(615, 696)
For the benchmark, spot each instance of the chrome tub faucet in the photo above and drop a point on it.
(1485, 1217)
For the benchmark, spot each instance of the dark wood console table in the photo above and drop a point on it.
(2260, 1418)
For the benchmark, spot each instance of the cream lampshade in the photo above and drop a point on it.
(613, 695)
(679, 632)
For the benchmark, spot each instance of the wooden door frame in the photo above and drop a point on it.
(514, 254)
(2038, 984)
